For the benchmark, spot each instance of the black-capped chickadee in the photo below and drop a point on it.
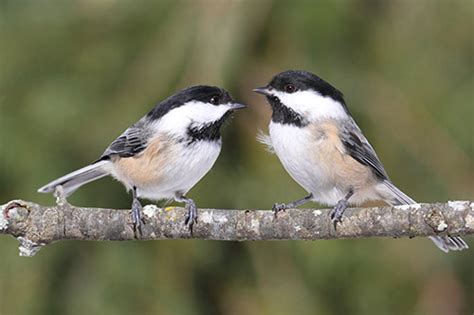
(165, 153)
(322, 148)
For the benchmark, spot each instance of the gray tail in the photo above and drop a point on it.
(445, 243)
(76, 179)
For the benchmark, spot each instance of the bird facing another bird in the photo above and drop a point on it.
(312, 132)
(165, 153)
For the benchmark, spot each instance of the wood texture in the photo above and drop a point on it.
(36, 225)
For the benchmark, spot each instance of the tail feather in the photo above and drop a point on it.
(398, 196)
(445, 243)
(76, 179)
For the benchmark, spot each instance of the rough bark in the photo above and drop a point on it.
(36, 225)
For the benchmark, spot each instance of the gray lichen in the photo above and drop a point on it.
(3, 219)
(35, 225)
(28, 248)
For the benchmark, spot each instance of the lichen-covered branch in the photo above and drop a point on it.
(35, 225)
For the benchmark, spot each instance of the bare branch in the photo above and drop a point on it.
(35, 225)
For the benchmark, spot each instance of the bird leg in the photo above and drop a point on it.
(137, 217)
(341, 206)
(277, 207)
(191, 215)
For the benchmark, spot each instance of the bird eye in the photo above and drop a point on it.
(214, 100)
(290, 88)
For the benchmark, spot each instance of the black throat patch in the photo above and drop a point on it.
(285, 115)
(206, 132)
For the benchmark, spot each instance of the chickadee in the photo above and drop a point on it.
(322, 148)
(165, 153)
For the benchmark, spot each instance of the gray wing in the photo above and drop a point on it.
(131, 142)
(360, 149)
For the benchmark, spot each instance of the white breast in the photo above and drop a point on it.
(186, 169)
(296, 147)
(177, 171)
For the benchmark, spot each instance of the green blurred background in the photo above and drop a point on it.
(75, 74)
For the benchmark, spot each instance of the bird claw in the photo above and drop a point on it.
(191, 216)
(277, 207)
(338, 211)
(137, 218)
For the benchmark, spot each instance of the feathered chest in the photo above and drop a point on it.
(312, 142)
(316, 157)
(296, 148)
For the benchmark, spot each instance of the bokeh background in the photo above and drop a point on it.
(75, 74)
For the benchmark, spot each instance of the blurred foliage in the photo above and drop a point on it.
(74, 74)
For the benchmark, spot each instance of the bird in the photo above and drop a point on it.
(164, 154)
(323, 149)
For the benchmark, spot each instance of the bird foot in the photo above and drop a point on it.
(191, 215)
(338, 211)
(277, 207)
(137, 218)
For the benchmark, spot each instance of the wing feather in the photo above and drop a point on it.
(360, 149)
(131, 142)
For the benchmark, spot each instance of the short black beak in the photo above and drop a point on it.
(263, 90)
(236, 106)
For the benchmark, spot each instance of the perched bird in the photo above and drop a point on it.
(165, 153)
(319, 144)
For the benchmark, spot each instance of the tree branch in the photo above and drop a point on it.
(35, 225)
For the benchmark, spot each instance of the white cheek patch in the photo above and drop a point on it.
(312, 105)
(178, 120)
